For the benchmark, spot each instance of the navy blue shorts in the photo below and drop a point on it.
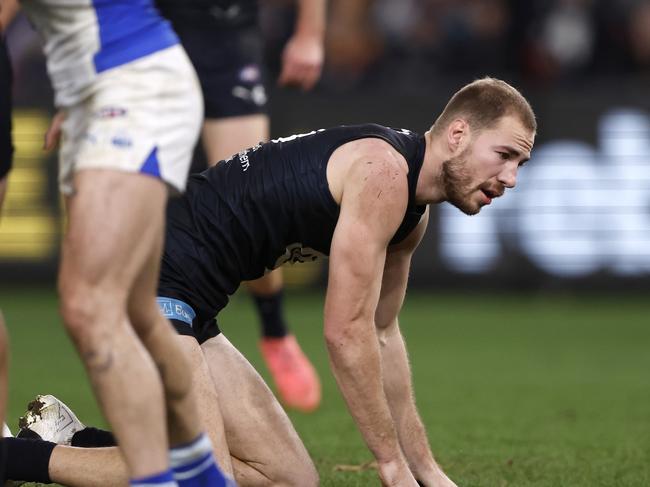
(6, 146)
(230, 69)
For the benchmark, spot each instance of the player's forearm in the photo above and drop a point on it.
(355, 361)
(310, 20)
(399, 393)
(8, 10)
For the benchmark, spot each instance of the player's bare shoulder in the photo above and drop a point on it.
(369, 161)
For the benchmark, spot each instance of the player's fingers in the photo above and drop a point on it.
(302, 75)
(290, 72)
(283, 79)
(311, 77)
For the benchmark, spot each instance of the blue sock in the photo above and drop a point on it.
(165, 479)
(193, 465)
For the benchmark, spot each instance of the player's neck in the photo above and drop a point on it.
(430, 188)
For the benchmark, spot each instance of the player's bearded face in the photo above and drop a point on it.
(459, 184)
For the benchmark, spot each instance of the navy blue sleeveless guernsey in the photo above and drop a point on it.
(265, 206)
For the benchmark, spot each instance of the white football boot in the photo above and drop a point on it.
(50, 419)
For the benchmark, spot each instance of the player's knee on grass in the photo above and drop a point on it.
(265, 448)
(302, 471)
(285, 471)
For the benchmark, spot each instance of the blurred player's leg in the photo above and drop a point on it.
(294, 376)
(121, 148)
(264, 446)
(94, 293)
(160, 340)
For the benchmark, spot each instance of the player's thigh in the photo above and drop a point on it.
(224, 137)
(142, 308)
(258, 430)
(115, 219)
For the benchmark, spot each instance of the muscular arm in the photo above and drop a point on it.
(397, 375)
(372, 206)
(311, 17)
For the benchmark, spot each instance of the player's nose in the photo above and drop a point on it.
(508, 177)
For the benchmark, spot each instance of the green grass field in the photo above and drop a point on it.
(541, 391)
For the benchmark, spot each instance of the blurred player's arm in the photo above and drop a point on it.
(8, 10)
(395, 367)
(302, 57)
(352, 43)
(372, 206)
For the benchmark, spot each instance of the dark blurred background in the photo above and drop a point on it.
(580, 215)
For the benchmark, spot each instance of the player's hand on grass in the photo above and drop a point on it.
(53, 133)
(396, 473)
(302, 61)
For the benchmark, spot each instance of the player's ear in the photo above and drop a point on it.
(457, 132)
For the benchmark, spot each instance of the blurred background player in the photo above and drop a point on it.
(131, 110)
(7, 11)
(223, 41)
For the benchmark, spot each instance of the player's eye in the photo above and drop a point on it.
(504, 155)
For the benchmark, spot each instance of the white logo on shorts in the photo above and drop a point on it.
(257, 94)
(250, 73)
(122, 141)
(111, 112)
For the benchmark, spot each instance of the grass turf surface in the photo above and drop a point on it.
(541, 391)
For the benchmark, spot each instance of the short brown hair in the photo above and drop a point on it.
(483, 103)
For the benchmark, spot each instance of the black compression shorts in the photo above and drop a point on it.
(230, 68)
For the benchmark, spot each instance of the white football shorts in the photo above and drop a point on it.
(140, 117)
